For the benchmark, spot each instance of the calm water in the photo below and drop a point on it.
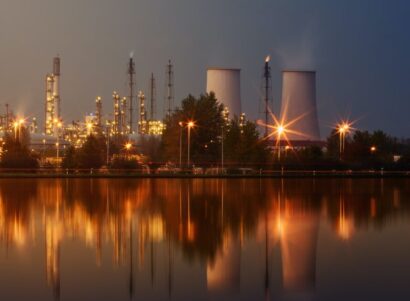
(204, 239)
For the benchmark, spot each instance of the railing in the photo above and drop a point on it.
(196, 172)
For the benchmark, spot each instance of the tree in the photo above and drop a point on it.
(150, 148)
(206, 113)
(243, 146)
(91, 154)
(70, 160)
(16, 154)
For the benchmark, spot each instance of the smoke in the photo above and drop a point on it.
(299, 52)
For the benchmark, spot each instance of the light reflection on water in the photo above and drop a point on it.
(203, 239)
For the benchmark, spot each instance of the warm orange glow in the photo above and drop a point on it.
(191, 124)
(373, 149)
(128, 146)
(344, 127)
(282, 128)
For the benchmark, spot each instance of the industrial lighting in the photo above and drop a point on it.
(128, 146)
(343, 128)
(280, 130)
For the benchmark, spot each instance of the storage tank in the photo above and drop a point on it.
(226, 84)
(299, 102)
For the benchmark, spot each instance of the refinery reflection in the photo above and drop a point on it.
(228, 229)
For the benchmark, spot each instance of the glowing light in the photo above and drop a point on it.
(267, 59)
(373, 149)
(343, 128)
(191, 124)
(280, 130)
(128, 146)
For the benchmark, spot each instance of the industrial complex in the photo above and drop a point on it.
(133, 115)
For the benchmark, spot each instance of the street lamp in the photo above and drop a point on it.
(128, 146)
(279, 131)
(181, 124)
(343, 129)
(190, 125)
(58, 151)
(108, 141)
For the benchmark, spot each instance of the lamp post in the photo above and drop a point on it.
(58, 151)
(181, 124)
(190, 125)
(280, 130)
(108, 143)
(343, 128)
(128, 146)
(222, 149)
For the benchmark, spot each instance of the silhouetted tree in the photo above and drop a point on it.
(16, 153)
(206, 112)
(243, 146)
(70, 160)
(91, 154)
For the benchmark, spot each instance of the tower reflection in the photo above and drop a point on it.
(149, 226)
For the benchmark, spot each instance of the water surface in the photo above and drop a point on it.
(204, 239)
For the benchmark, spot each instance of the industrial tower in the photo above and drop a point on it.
(170, 88)
(117, 114)
(267, 92)
(142, 124)
(131, 83)
(98, 114)
(53, 100)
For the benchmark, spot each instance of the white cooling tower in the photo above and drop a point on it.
(226, 84)
(299, 104)
(298, 245)
(224, 274)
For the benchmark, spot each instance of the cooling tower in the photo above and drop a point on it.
(298, 245)
(226, 84)
(299, 104)
(224, 274)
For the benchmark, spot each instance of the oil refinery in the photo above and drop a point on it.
(130, 115)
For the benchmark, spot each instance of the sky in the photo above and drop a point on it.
(359, 48)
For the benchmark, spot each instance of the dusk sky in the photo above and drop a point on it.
(360, 50)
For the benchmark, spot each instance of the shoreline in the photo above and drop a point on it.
(270, 175)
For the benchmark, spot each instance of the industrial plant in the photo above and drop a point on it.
(133, 115)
